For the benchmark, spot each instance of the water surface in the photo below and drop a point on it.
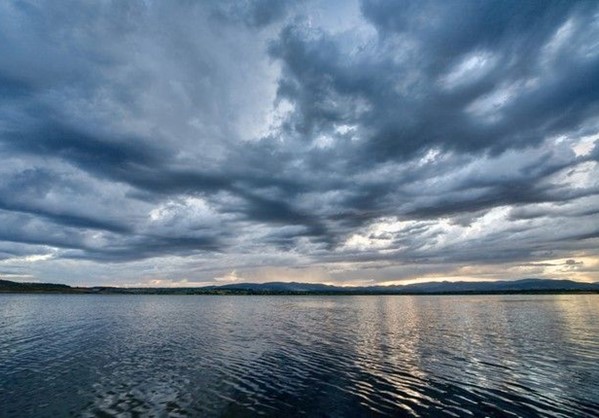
(134, 355)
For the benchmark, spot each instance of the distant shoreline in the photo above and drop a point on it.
(531, 293)
(517, 287)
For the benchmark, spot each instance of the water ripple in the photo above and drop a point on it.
(178, 356)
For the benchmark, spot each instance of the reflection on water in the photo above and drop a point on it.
(314, 356)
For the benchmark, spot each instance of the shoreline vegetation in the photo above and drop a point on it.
(523, 286)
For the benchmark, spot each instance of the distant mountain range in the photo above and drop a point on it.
(523, 285)
(292, 288)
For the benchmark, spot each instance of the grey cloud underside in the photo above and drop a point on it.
(254, 13)
(135, 131)
(406, 111)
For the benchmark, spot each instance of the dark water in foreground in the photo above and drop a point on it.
(288, 356)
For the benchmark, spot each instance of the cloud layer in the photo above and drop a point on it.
(168, 143)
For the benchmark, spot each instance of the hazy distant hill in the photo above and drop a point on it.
(515, 286)
(500, 286)
(282, 287)
(523, 285)
(9, 286)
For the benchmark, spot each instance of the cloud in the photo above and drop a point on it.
(376, 140)
(254, 13)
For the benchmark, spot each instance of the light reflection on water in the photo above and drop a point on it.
(91, 355)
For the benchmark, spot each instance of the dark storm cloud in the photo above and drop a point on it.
(254, 13)
(269, 130)
(91, 153)
(396, 88)
(30, 229)
(392, 91)
(146, 247)
(66, 219)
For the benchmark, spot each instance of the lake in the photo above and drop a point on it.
(331, 356)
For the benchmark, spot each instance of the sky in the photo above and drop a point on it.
(180, 143)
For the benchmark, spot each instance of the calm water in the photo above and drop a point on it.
(288, 356)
